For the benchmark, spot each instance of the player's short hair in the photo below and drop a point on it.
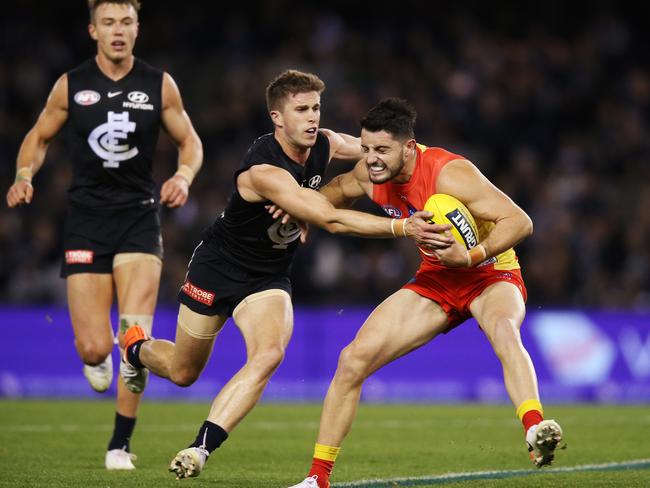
(93, 4)
(288, 83)
(393, 115)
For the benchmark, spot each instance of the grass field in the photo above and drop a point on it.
(61, 444)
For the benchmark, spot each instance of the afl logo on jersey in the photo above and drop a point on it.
(87, 97)
(393, 212)
(138, 97)
(314, 182)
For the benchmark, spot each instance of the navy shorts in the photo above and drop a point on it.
(215, 286)
(92, 238)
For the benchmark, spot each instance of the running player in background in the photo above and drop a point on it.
(451, 285)
(114, 106)
(242, 266)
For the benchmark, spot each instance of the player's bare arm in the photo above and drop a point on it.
(343, 190)
(265, 182)
(34, 147)
(178, 125)
(343, 146)
(463, 180)
(348, 187)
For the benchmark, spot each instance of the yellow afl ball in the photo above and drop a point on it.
(449, 210)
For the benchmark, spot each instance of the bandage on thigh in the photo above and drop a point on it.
(129, 257)
(259, 296)
(197, 325)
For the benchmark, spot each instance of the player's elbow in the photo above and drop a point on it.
(526, 225)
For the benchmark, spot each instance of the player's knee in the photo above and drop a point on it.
(265, 362)
(93, 353)
(353, 364)
(184, 376)
(505, 337)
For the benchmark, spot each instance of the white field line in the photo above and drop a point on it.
(484, 475)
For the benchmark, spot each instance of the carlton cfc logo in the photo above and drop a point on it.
(108, 140)
(283, 234)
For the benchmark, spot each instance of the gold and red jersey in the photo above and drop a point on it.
(403, 200)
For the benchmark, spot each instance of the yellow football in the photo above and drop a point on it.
(449, 210)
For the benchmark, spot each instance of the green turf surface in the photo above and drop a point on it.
(61, 444)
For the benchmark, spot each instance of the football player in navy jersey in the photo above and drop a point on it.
(113, 106)
(242, 266)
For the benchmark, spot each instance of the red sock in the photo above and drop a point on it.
(323, 469)
(530, 418)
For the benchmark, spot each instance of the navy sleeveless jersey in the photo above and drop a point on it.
(245, 234)
(113, 129)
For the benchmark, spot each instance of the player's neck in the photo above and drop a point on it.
(115, 70)
(298, 154)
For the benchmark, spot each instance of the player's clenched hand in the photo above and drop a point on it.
(277, 212)
(20, 192)
(174, 191)
(425, 234)
(454, 256)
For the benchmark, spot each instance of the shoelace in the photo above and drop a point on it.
(130, 371)
(128, 454)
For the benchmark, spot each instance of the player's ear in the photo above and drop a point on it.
(276, 117)
(92, 31)
(409, 148)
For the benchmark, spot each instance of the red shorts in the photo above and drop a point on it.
(454, 289)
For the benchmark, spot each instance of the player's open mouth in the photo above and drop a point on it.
(376, 168)
(312, 131)
(118, 44)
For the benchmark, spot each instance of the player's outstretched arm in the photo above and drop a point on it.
(266, 182)
(486, 202)
(341, 192)
(34, 147)
(343, 146)
(178, 125)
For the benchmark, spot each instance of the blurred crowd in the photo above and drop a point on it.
(551, 103)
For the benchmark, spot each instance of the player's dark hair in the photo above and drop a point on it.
(93, 4)
(288, 83)
(393, 115)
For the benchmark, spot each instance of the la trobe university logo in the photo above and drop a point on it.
(106, 140)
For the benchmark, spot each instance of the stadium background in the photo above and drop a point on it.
(550, 100)
(551, 103)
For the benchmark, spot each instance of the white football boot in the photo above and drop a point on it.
(120, 459)
(189, 462)
(134, 378)
(100, 376)
(542, 440)
(310, 482)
